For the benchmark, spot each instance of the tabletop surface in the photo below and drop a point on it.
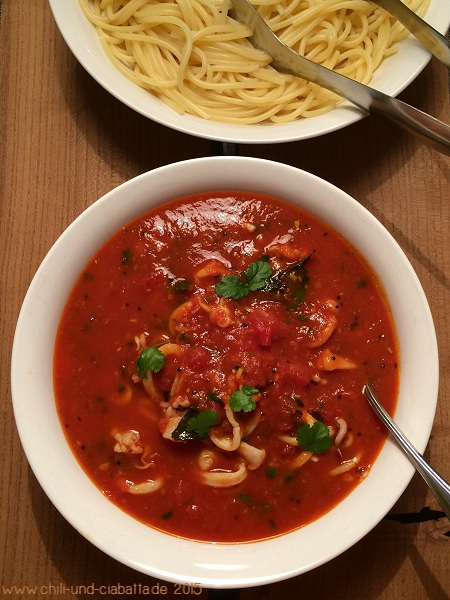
(64, 143)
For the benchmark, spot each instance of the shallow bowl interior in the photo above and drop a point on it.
(392, 77)
(101, 522)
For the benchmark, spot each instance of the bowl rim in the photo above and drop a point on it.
(61, 477)
(396, 73)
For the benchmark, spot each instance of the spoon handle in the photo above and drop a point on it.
(439, 487)
(429, 130)
(425, 127)
(433, 41)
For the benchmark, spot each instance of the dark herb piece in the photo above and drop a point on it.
(271, 472)
(195, 425)
(212, 394)
(179, 284)
(126, 256)
(250, 502)
(276, 281)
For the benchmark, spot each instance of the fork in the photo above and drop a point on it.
(425, 127)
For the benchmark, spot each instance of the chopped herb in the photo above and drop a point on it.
(354, 323)
(252, 279)
(303, 318)
(362, 283)
(88, 275)
(179, 285)
(150, 359)
(271, 472)
(300, 295)
(242, 399)
(215, 397)
(166, 515)
(126, 256)
(195, 425)
(246, 499)
(315, 438)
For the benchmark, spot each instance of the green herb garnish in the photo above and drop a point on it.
(246, 499)
(315, 438)
(252, 279)
(150, 359)
(271, 472)
(202, 423)
(300, 295)
(242, 399)
(195, 425)
(212, 394)
(179, 284)
(256, 506)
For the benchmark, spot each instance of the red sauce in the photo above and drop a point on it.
(283, 343)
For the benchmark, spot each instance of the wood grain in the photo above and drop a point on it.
(64, 143)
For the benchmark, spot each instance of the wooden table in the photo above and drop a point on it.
(64, 143)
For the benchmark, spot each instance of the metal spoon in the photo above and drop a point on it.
(433, 41)
(439, 487)
(284, 59)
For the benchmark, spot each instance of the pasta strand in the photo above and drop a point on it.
(198, 60)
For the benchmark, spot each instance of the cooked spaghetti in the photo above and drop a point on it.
(198, 60)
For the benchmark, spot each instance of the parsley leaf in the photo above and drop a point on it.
(242, 399)
(231, 286)
(252, 279)
(256, 275)
(315, 438)
(202, 423)
(195, 425)
(150, 359)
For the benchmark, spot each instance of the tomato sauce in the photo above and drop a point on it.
(241, 351)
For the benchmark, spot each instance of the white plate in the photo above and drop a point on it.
(103, 523)
(392, 77)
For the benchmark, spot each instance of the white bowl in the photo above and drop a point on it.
(105, 525)
(392, 77)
